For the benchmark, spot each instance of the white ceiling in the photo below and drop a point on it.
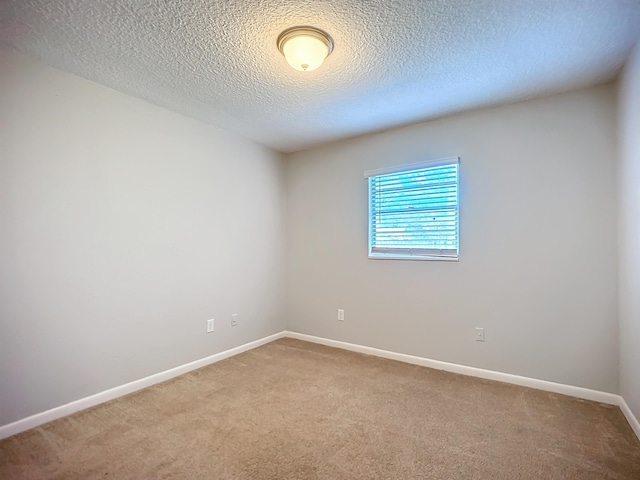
(395, 62)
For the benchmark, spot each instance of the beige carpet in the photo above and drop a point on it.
(295, 410)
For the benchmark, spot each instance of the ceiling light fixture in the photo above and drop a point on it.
(305, 48)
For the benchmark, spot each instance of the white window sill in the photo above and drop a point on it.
(413, 257)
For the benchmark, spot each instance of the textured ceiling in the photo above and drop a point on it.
(395, 62)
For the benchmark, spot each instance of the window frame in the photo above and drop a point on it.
(418, 254)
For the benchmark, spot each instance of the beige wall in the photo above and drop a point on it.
(123, 227)
(538, 243)
(629, 124)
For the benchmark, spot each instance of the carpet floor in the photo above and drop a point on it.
(296, 410)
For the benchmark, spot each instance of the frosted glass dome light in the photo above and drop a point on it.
(305, 48)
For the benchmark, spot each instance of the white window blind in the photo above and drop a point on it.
(413, 211)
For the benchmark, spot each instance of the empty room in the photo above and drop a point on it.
(334, 239)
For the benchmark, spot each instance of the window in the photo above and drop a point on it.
(413, 211)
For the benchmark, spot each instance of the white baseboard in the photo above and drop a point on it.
(631, 418)
(87, 402)
(579, 392)
(92, 400)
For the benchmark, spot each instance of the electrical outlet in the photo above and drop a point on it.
(210, 325)
(479, 334)
(341, 315)
(234, 320)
